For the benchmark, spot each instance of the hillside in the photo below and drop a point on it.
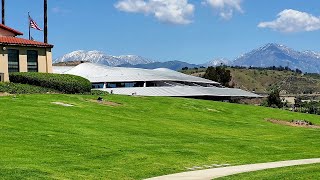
(139, 137)
(262, 80)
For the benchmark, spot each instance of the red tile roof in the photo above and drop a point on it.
(11, 30)
(4, 40)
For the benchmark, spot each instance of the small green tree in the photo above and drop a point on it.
(298, 102)
(219, 74)
(274, 99)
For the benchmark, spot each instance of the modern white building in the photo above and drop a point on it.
(146, 82)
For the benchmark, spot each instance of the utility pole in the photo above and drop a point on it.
(45, 31)
(3, 12)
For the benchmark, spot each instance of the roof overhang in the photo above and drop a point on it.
(182, 91)
(17, 33)
(14, 41)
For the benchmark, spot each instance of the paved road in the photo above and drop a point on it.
(209, 174)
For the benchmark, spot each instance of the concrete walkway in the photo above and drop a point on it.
(209, 174)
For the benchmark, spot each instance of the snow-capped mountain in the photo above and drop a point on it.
(217, 62)
(102, 58)
(134, 59)
(280, 55)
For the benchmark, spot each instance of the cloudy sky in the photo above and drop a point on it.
(194, 31)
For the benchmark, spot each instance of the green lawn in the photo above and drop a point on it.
(143, 137)
(311, 172)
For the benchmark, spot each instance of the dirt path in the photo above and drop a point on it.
(226, 171)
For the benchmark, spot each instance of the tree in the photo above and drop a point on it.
(298, 71)
(218, 74)
(298, 102)
(185, 68)
(274, 99)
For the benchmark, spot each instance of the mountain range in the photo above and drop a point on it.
(102, 58)
(268, 55)
(280, 55)
(217, 62)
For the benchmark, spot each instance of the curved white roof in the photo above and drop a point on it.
(182, 91)
(61, 69)
(101, 73)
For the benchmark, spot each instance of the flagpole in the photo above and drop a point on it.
(45, 15)
(29, 25)
(3, 12)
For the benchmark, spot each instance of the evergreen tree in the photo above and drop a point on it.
(274, 99)
(218, 74)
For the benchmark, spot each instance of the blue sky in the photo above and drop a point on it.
(201, 30)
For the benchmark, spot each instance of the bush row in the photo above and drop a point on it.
(15, 88)
(64, 83)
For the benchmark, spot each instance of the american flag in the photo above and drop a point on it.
(34, 25)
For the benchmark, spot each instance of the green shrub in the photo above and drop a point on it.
(15, 88)
(99, 93)
(61, 82)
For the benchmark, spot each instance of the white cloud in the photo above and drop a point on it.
(170, 11)
(59, 10)
(225, 8)
(290, 20)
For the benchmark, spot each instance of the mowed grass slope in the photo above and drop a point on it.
(290, 173)
(142, 137)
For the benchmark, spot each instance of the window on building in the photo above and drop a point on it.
(32, 60)
(13, 60)
(97, 85)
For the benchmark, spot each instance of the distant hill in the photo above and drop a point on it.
(280, 55)
(262, 81)
(173, 65)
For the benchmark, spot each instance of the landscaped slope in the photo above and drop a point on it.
(138, 137)
(295, 172)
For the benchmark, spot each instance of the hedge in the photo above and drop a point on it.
(64, 83)
(15, 88)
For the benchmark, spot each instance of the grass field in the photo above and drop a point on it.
(288, 173)
(140, 137)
